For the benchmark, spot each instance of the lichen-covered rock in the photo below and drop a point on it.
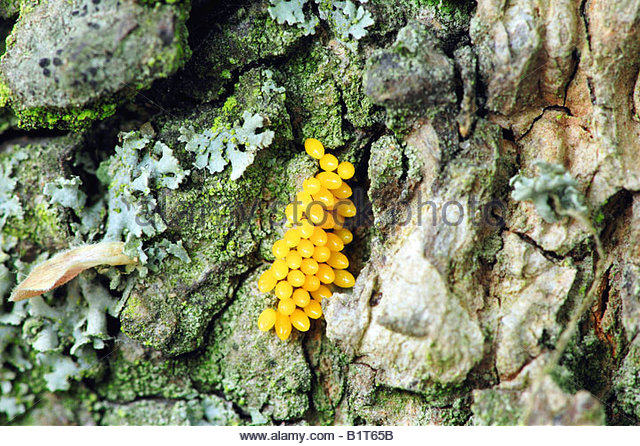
(69, 63)
(154, 412)
(531, 291)
(217, 218)
(524, 40)
(507, 403)
(411, 76)
(255, 370)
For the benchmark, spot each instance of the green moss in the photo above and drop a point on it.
(314, 98)
(72, 118)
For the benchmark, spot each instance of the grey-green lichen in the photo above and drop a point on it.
(216, 147)
(346, 20)
(553, 192)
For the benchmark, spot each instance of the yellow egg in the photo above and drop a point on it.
(311, 283)
(313, 309)
(296, 278)
(300, 320)
(279, 269)
(293, 212)
(329, 162)
(286, 306)
(344, 191)
(344, 279)
(325, 197)
(338, 221)
(334, 243)
(267, 281)
(267, 319)
(308, 266)
(305, 248)
(283, 326)
(345, 235)
(311, 186)
(321, 254)
(314, 148)
(322, 292)
(330, 180)
(301, 297)
(283, 289)
(338, 261)
(346, 170)
(316, 214)
(346, 208)
(292, 237)
(306, 228)
(325, 273)
(319, 237)
(280, 249)
(303, 198)
(294, 259)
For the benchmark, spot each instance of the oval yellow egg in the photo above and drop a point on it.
(311, 186)
(344, 191)
(279, 269)
(283, 289)
(319, 237)
(345, 207)
(305, 248)
(267, 281)
(322, 292)
(280, 249)
(330, 180)
(306, 228)
(300, 320)
(313, 309)
(345, 235)
(334, 243)
(329, 162)
(301, 297)
(267, 319)
(314, 148)
(286, 306)
(311, 283)
(346, 170)
(294, 259)
(316, 214)
(321, 254)
(294, 213)
(325, 273)
(338, 261)
(325, 197)
(296, 278)
(283, 326)
(344, 279)
(308, 266)
(292, 237)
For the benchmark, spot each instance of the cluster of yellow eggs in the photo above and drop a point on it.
(309, 257)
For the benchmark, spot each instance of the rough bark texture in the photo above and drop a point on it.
(457, 306)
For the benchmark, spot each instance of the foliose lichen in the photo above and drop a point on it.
(553, 191)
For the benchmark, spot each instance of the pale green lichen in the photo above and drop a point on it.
(553, 187)
(347, 21)
(215, 148)
(9, 203)
(133, 174)
(67, 193)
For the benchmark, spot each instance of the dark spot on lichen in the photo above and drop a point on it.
(46, 72)
(57, 62)
(44, 62)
